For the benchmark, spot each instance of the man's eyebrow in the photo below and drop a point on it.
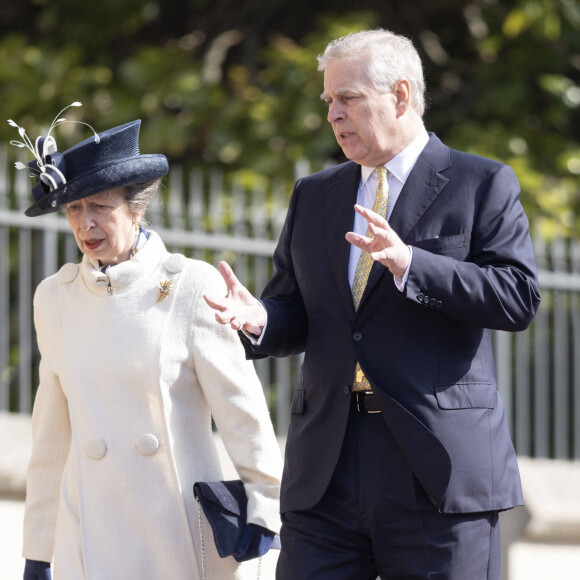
(346, 91)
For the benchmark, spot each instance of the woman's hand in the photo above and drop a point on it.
(254, 542)
(36, 570)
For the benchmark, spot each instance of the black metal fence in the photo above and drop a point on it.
(214, 217)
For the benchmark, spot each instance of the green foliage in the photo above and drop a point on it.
(515, 97)
(236, 84)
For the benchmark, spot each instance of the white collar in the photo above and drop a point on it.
(127, 272)
(140, 241)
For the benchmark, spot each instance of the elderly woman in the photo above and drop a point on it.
(133, 369)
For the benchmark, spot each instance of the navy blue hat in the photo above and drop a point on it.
(102, 162)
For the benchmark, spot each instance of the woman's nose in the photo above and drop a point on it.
(86, 221)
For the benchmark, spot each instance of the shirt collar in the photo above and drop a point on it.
(401, 164)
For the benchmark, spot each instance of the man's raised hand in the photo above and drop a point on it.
(238, 308)
(385, 247)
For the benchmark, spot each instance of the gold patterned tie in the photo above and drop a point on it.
(365, 262)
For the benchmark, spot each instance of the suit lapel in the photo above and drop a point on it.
(340, 197)
(420, 190)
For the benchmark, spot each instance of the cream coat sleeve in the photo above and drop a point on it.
(51, 433)
(238, 406)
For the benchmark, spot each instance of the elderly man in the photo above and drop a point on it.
(390, 273)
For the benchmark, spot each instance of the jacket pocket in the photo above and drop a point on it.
(441, 245)
(466, 396)
(298, 401)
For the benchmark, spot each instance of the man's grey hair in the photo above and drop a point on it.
(390, 57)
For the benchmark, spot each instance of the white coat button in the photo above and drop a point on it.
(174, 264)
(96, 449)
(147, 444)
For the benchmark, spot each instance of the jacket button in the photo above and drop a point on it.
(346, 390)
(147, 444)
(96, 448)
(432, 301)
(426, 299)
(420, 297)
(357, 336)
(174, 263)
(438, 304)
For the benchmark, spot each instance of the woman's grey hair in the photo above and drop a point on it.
(138, 197)
(390, 57)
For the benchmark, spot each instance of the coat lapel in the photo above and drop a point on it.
(340, 196)
(420, 190)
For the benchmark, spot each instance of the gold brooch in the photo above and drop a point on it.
(165, 287)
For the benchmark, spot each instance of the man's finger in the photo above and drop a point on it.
(214, 303)
(378, 231)
(371, 216)
(357, 240)
(223, 317)
(367, 213)
(228, 275)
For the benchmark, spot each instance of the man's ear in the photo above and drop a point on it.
(402, 94)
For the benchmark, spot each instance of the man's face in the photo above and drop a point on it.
(364, 121)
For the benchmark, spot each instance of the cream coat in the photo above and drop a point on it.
(122, 422)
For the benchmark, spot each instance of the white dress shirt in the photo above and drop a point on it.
(398, 169)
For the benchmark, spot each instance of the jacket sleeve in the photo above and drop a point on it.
(51, 436)
(496, 285)
(238, 406)
(287, 328)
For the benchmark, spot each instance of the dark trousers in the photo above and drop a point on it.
(376, 521)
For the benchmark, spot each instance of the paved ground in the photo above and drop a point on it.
(11, 563)
(527, 561)
(530, 561)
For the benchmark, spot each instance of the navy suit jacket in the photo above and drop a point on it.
(426, 351)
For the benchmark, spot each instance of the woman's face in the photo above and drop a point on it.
(103, 226)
